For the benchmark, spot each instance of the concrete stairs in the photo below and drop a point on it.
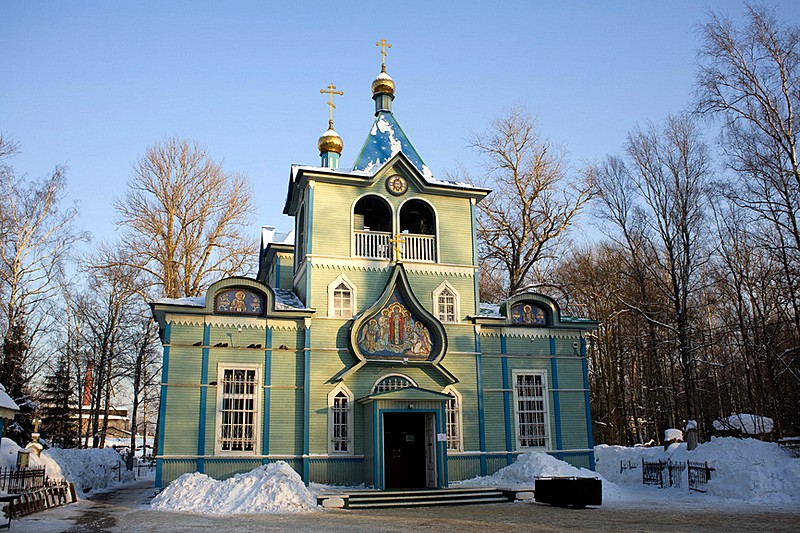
(375, 499)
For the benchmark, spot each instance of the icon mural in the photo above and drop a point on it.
(395, 332)
(528, 313)
(238, 302)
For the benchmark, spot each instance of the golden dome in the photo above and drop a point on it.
(383, 83)
(330, 141)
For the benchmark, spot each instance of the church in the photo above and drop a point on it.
(361, 352)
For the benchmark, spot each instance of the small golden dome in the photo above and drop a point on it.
(330, 141)
(383, 83)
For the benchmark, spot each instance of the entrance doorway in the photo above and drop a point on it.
(408, 450)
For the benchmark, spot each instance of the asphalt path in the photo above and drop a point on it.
(126, 511)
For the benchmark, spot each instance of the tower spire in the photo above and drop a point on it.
(330, 144)
(383, 85)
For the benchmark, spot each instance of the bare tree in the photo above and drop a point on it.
(658, 199)
(534, 200)
(35, 237)
(183, 219)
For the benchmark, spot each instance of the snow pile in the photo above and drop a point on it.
(532, 465)
(745, 470)
(744, 423)
(272, 488)
(672, 435)
(91, 470)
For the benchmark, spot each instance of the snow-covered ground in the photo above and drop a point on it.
(746, 473)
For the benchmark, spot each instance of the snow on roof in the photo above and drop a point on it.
(287, 300)
(490, 310)
(5, 400)
(746, 423)
(191, 301)
(269, 489)
(386, 139)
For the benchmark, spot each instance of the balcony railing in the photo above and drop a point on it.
(378, 245)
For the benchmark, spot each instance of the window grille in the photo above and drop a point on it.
(238, 431)
(531, 411)
(447, 306)
(342, 301)
(340, 411)
(392, 383)
(451, 423)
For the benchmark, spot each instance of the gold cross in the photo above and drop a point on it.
(384, 45)
(397, 241)
(331, 91)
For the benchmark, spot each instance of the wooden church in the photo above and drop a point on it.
(361, 353)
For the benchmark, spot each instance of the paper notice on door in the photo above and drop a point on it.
(441, 437)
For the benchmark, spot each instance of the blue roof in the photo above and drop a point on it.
(385, 139)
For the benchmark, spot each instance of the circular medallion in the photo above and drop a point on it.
(396, 185)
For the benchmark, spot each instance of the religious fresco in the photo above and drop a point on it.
(527, 313)
(395, 332)
(238, 302)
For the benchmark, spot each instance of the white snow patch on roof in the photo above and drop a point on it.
(746, 423)
(286, 299)
(193, 301)
(6, 402)
(270, 489)
(492, 310)
(384, 126)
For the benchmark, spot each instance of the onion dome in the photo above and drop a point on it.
(330, 141)
(383, 83)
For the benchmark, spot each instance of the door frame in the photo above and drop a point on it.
(438, 447)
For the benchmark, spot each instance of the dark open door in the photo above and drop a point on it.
(404, 450)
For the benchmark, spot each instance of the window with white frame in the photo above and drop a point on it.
(238, 396)
(452, 414)
(341, 298)
(340, 421)
(530, 397)
(446, 303)
(392, 382)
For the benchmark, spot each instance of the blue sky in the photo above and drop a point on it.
(92, 84)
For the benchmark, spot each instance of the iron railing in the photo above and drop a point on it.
(699, 474)
(14, 480)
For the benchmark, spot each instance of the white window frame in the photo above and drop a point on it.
(331, 297)
(438, 312)
(394, 375)
(257, 408)
(546, 412)
(341, 389)
(459, 420)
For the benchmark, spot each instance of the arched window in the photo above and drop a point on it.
(446, 303)
(340, 420)
(392, 382)
(372, 213)
(453, 420)
(418, 226)
(372, 228)
(417, 217)
(341, 298)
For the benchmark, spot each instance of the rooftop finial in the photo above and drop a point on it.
(384, 45)
(331, 90)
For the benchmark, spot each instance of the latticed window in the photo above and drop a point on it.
(529, 392)
(447, 305)
(452, 424)
(342, 301)
(238, 410)
(340, 410)
(392, 383)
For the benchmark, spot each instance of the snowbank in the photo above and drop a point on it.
(745, 470)
(745, 423)
(270, 489)
(91, 470)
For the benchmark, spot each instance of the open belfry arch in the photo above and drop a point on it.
(361, 352)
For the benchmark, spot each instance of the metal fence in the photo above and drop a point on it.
(699, 474)
(14, 480)
(666, 474)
